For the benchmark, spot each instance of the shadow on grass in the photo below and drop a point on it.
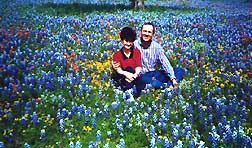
(77, 9)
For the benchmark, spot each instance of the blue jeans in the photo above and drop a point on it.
(157, 78)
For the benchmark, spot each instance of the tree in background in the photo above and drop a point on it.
(137, 4)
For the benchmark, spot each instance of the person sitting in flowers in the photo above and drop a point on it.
(152, 54)
(127, 74)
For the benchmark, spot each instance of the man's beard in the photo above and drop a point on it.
(145, 44)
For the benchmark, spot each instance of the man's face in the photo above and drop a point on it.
(147, 33)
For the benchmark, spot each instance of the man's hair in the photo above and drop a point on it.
(128, 34)
(149, 23)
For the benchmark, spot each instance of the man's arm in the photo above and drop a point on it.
(167, 66)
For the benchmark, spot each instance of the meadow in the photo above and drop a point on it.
(56, 90)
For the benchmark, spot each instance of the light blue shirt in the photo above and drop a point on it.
(152, 55)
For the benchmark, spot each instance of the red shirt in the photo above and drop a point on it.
(133, 61)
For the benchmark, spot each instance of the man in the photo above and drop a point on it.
(153, 54)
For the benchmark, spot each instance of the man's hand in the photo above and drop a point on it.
(174, 83)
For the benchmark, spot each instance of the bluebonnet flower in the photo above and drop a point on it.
(162, 115)
(142, 105)
(106, 111)
(1, 144)
(138, 120)
(77, 144)
(246, 141)
(106, 145)
(115, 105)
(148, 91)
(175, 135)
(119, 126)
(58, 115)
(10, 137)
(152, 142)
(154, 118)
(92, 144)
(86, 116)
(64, 112)
(128, 96)
(200, 144)
(235, 135)
(250, 100)
(70, 93)
(130, 110)
(98, 136)
(159, 140)
(135, 107)
(70, 115)
(34, 118)
(234, 123)
(69, 135)
(61, 124)
(152, 131)
(126, 118)
(42, 135)
(121, 144)
(100, 92)
(205, 125)
(227, 135)
(168, 93)
(26, 145)
(81, 109)
(154, 106)
(213, 138)
(109, 134)
(220, 128)
(243, 114)
(179, 144)
(210, 119)
(71, 145)
(28, 107)
(130, 125)
(167, 143)
(149, 110)
(190, 118)
(146, 116)
(224, 120)
(192, 144)
(9, 116)
(93, 121)
(74, 107)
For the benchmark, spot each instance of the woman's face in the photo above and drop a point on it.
(127, 44)
(147, 33)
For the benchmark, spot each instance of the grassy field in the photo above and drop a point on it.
(56, 89)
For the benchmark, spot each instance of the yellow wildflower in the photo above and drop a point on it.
(66, 130)
(204, 108)
(86, 128)
(222, 85)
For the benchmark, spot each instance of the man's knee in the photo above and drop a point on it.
(157, 84)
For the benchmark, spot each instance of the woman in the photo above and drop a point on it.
(128, 73)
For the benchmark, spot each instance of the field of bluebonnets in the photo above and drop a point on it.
(56, 89)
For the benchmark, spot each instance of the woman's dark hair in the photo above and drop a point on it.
(149, 23)
(128, 34)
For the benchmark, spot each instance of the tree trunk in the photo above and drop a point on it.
(137, 4)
